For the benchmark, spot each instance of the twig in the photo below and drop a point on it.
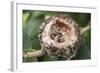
(40, 52)
(34, 53)
(85, 29)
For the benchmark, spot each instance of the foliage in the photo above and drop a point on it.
(33, 19)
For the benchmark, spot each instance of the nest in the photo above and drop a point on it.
(59, 35)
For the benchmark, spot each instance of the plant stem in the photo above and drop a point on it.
(36, 53)
(85, 29)
(40, 52)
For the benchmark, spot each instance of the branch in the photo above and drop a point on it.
(85, 29)
(41, 52)
(37, 53)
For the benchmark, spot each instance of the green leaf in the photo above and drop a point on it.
(83, 52)
(26, 41)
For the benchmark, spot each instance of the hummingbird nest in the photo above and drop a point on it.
(59, 36)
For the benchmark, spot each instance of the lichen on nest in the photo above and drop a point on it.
(59, 35)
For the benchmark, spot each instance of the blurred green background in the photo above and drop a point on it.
(33, 19)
